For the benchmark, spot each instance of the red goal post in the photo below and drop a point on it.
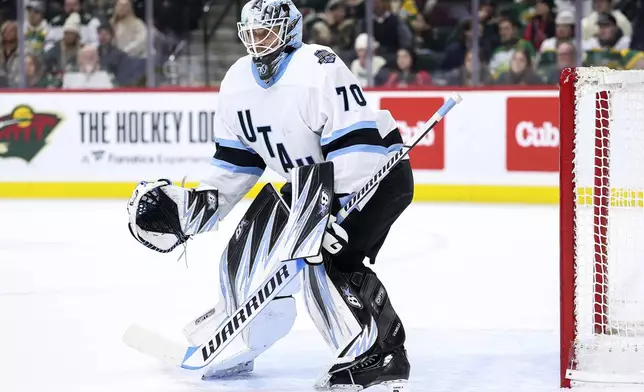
(602, 226)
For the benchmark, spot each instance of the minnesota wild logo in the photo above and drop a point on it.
(23, 133)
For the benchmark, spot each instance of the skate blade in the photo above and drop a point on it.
(397, 385)
(235, 371)
(347, 387)
(392, 386)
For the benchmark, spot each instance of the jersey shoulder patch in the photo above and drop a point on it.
(324, 56)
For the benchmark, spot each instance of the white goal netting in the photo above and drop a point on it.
(608, 177)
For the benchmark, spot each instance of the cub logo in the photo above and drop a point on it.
(532, 134)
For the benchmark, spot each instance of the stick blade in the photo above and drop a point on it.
(154, 345)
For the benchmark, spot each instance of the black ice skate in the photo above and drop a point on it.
(389, 369)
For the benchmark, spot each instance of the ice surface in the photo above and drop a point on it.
(476, 286)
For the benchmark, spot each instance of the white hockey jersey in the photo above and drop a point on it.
(312, 111)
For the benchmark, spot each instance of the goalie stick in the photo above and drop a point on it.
(198, 357)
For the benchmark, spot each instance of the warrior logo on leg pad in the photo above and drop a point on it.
(351, 299)
(246, 311)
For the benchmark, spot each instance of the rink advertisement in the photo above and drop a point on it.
(497, 145)
(532, 135)
(430, 152)
(105, 136)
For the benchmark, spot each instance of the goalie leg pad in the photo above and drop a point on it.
(358, 312)
(272, 324)
(352, 310)
(241, 271)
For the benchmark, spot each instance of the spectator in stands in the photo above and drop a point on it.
(521, 11)
(63, 56)
(9, 70)
(565, 32)
(639, 64)
(490, 22)
(510, 41)
(542, 25)
(36, 28)
(176, 19)
(109, 55)
(566, 57)
(609, 35)
(359, 65)
(388, 30)
(35, 76)
(7, 10)
(637, 39)
(315, 5)
(89, 74)
(406, 10)
(606, 49)
(325, 28)
(355, 9)
(458, 47)
(406, 73)
(589, 24)
(521, 71)
(130, 34)
(462, 76)
(631, 59)
(102, 10)
(88, 24)
(127, 70)
(423, 33)
(487, 10)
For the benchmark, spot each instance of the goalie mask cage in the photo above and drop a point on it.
(602, 226)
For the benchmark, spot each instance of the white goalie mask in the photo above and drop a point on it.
(267, 27)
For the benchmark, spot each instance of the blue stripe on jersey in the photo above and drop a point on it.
(357, 148)
(255, 171)
(394, 147)
(234, 144)
(335, 135)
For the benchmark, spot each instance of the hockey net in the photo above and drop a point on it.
(602, 226)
